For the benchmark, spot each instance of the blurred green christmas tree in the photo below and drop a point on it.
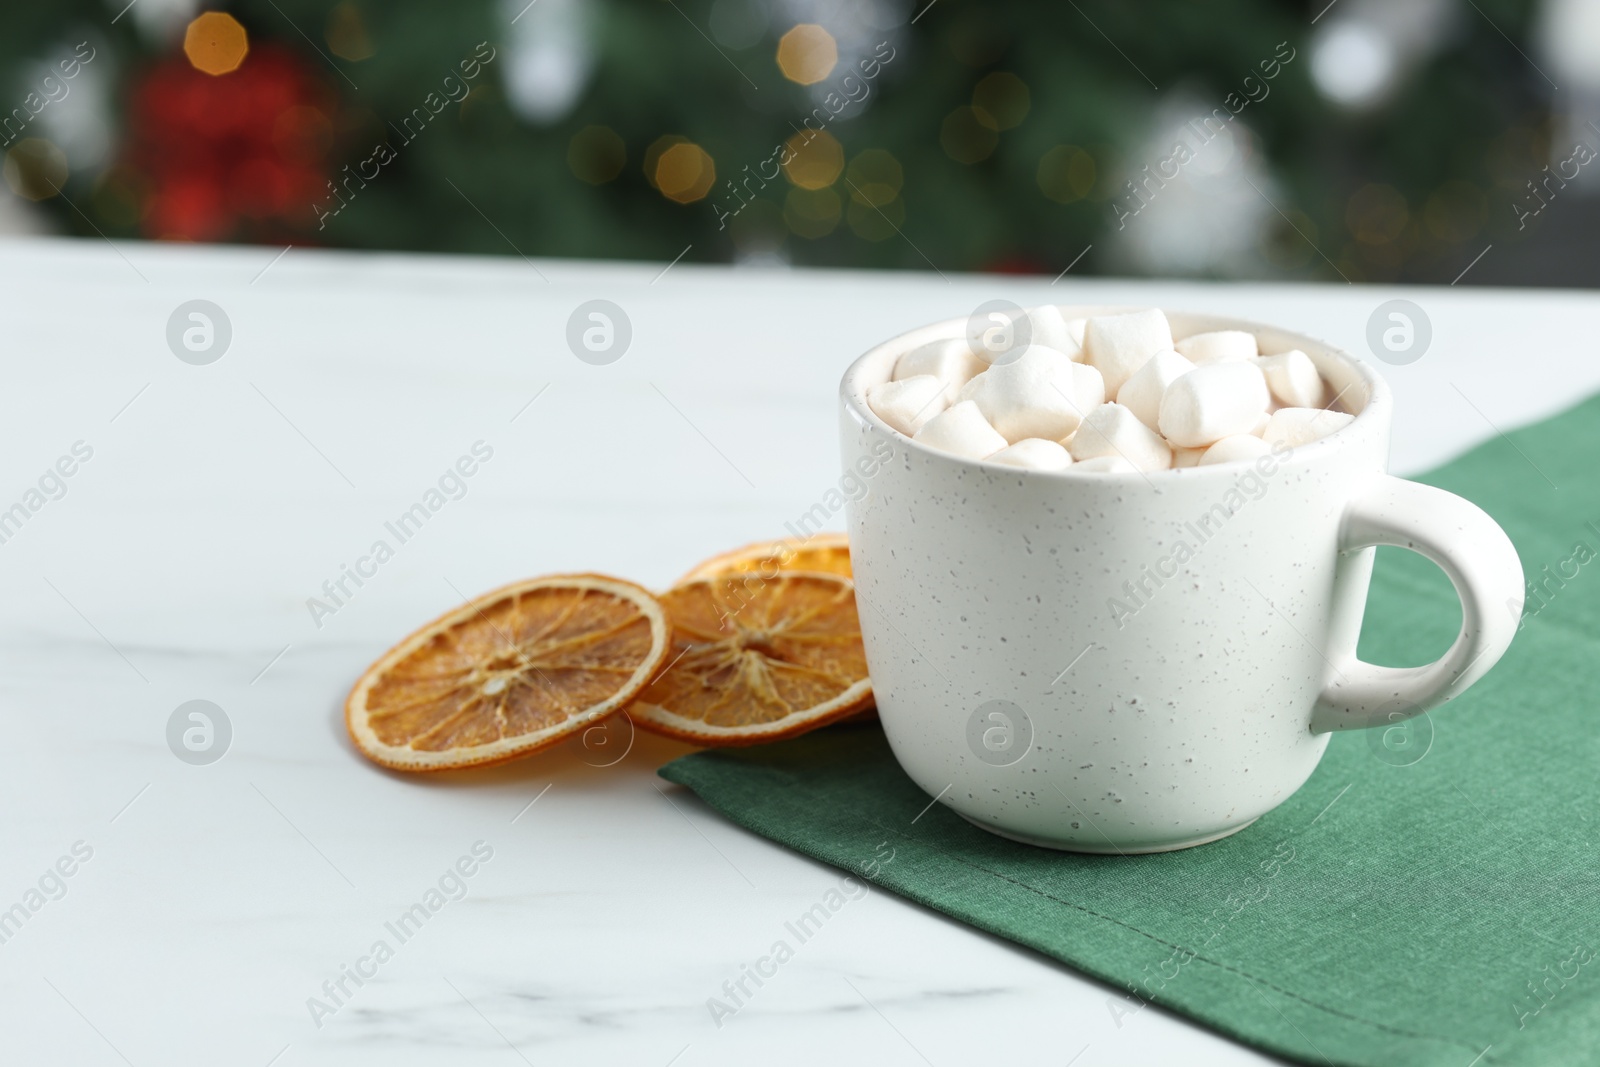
(1363, 140)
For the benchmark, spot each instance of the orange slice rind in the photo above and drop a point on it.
(509, 673)
(757, 659)
(826, 553)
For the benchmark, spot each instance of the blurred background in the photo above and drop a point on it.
(1360, 140)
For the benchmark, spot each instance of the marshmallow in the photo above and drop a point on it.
(1241, 446)
(951, 361)
(1047, 327)
(908, 404)
(1107, 465)
(1220, 346)
(1300, 426)
(1113, 430)
(1041, 393)
(1212, 402)
(1075, 330)
(1118, 345)
(1187, 457)
(963, 431)
(997, 337)
(1033, 390)
(1034, 453)
(1141, 394)
(1091, 385)
(1293, 379)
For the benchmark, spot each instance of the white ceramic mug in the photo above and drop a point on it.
(1050, 663)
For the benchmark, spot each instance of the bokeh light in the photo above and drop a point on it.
(652, 155)
(302, 133)
(1353, 63)
(875, 177)
(215, 43)
(346, 33)
(35, 169)
(685, 173)
(1515, 154)
(965, 138)
(807, 54)
(596, 154)
(1377, 214)
(1066, 173)
(1001, 100)
(816, 159)
(811, 213)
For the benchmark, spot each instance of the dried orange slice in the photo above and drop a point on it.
(825, 553)
(757, 659)
(509, 673)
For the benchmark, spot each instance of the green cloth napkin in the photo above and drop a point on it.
(1441, 910)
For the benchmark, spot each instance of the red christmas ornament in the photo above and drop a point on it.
(238, 156)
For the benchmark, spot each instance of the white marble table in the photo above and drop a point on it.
(218, 498)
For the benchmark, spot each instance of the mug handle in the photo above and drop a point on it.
(1482, 564)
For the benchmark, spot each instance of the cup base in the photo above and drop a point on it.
(1109, 849)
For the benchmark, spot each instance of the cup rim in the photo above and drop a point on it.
(1375, 411)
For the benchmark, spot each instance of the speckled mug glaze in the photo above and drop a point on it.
(1012, 688)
